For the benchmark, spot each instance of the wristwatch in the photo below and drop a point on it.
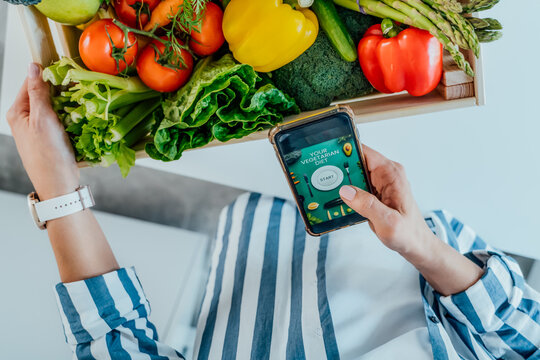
(43, 211)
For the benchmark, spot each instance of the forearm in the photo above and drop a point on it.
(444, 268)
(80, 247)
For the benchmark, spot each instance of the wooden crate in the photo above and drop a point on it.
(45, 49)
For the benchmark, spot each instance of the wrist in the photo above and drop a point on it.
(58, 188)
(426, 252)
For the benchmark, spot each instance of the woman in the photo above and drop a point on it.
(274, 292)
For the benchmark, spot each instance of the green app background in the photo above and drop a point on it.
(306, 162)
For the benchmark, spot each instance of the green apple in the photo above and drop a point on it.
(69, 12)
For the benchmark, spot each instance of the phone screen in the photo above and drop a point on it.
(320, 157)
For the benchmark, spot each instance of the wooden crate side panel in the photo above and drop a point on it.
(38, 35)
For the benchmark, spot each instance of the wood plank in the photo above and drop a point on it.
(456, 91)
(38, 34)
(69, 39)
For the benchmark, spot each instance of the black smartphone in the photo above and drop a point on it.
(319, 154)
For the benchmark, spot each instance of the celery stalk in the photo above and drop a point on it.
(134, 117)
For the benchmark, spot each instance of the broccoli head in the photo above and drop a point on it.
(320, 76)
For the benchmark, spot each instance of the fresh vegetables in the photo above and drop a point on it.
(411, 61)
(268, 34)
(158, 73)
(208, 38)
(223, 100)
(69, 12)
(104, 47)
(335, 29)
(184, 97)
(187, 13)
(441, 18)
(98, 112)
(134, 13)
(320, 76)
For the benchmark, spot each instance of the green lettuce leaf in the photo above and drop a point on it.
(222, 100)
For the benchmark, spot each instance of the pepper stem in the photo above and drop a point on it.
(390, 28)
(293, 3)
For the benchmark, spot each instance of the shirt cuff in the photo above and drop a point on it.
(92, 308)
(484, 306)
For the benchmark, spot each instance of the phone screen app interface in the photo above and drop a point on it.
(319, 171)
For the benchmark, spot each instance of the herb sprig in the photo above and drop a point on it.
(187, 18)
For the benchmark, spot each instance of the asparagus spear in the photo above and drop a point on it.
(486, 24)
(435, 17)
(466, 29)
(460, 39)
(375, 8)
(486, 36)
(449, 5)
(478, 5)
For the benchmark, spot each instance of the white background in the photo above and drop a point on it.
(479, 163)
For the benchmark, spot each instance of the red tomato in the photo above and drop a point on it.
(159, 77)
(99, 54)
(134, 13)
(210, 37)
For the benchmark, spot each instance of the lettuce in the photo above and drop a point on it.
(223, 100)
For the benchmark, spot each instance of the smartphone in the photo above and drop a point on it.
(319, 154)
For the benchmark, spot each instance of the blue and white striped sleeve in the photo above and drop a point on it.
(106, 317)
(501, 309)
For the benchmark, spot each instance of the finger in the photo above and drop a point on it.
(374, 159)
(38, 91)
(365, 204)
(21, 100)
(20, 108)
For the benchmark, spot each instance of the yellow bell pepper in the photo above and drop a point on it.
(268, 34)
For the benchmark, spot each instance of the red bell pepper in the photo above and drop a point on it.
(412, 60)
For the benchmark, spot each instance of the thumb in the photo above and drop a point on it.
(364, 203)
(38, 90)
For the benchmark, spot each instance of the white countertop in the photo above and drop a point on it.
(479, 163)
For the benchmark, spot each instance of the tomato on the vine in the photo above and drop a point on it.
(210, 37)
(157, 72)
(102, 47)
(134, 13)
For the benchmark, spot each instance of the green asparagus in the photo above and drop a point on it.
(435, 17)
(478, 5)
(486, 36)
(485, 24)
(449, 5)
(459, 22)
(460, 39)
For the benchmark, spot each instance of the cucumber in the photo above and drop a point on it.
(334, 27)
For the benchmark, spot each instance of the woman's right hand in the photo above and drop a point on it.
(42, 143)
(392, 211)
(396, 219)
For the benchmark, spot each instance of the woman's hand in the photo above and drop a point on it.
(41, 140)
(396, 219)
(392, 211)
(79, 245)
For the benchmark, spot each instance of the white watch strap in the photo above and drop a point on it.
(64, 205)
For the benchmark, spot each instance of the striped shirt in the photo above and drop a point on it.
(267, 298)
